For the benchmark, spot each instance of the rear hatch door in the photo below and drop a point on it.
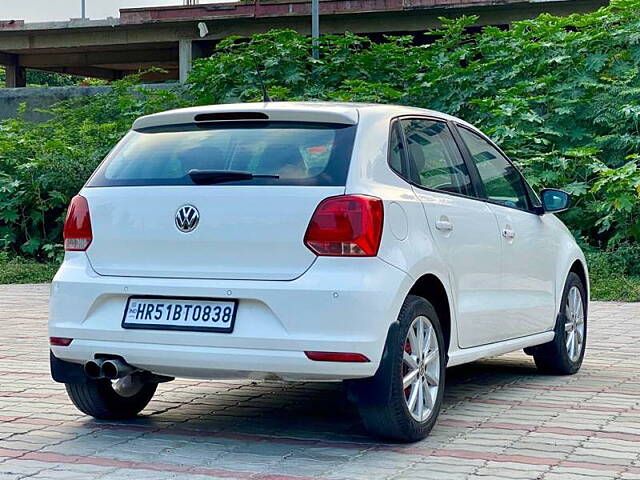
(244, 232)
(246, 229)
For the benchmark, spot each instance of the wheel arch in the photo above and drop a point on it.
(431, 288)
(576, 264)
(579, 269)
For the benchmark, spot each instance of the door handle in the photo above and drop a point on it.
(444, 224)
(508, 233)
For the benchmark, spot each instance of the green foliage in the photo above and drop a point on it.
(43, 165)
(560, 94)
(615, 274)
(20, 270)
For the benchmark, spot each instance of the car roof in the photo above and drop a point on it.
(328, 112)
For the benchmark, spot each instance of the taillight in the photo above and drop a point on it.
(60, 341)
(348, 225)
(77, 226)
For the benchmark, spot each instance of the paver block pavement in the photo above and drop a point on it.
(500, 419)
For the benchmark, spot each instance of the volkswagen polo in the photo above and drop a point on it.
(375, 245)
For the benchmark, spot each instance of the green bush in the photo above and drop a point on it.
(20, 270)
(43, 165)
(615, 274)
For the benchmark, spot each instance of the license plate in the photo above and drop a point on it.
(180, 314)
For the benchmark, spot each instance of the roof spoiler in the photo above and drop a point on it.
(274, 112)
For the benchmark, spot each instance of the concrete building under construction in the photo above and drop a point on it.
(171, 37)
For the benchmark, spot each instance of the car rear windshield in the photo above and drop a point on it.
(297, 153)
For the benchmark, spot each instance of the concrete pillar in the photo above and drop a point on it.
(188, 51)
(16, 75)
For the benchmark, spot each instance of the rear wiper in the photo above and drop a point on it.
(210, 177)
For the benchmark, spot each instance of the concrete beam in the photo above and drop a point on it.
(88, 71)
(41, 60)
(16, 41)
(114, 74)
(289, 8)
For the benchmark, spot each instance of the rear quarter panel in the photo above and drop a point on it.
(406, 242)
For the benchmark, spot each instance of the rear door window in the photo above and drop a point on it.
(299, 153)
(435, 157)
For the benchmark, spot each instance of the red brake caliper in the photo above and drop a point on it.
(405, 368)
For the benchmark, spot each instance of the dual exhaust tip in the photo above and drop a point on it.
(111, 369)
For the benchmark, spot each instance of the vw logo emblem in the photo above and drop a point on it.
(187, 218)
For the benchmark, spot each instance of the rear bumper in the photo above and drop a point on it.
(338, 305)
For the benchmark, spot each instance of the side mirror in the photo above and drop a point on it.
(555, 201)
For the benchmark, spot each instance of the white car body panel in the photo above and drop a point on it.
(472, 251)
(527, 266)
(240, 236)
(466, 355)
(568, 254)
(291, 301)
(284, 318)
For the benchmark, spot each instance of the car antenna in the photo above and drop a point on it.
(265, 95)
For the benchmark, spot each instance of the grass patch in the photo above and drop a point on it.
(615, 275)
(19, 270)
(619, 288)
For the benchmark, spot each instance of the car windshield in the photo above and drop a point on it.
(288, 153)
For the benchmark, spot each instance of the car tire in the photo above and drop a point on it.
(564, 355)
(98, 399)
(388, 406)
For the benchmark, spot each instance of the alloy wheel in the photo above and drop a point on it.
(574, 324)
(421, 368)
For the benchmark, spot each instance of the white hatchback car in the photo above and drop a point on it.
(310, 241)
